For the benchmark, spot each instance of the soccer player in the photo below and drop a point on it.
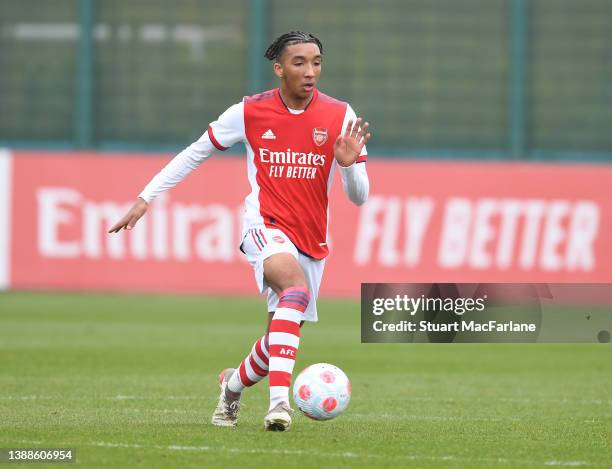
(295, 136)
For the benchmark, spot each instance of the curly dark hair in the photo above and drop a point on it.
(294, 37)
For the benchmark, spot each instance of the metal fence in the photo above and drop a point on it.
(468, 78)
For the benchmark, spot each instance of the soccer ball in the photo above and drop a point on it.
(322, 391)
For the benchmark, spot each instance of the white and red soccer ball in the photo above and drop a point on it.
(322, 391)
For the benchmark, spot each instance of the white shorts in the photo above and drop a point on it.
(260, 243)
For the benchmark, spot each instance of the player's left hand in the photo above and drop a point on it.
(129, 220)
(348, 146)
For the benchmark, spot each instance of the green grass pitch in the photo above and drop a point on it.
(130, 381)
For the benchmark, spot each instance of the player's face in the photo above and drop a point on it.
(299, 68)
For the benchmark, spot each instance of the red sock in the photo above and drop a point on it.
(253, 368)
(284, 340)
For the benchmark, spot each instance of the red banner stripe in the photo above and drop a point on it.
(467, 226)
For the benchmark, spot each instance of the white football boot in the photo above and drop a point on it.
(278, 418)
(226, 413)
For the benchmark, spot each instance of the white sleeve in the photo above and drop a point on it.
(351, 116)
(355, 180)
(228, 129)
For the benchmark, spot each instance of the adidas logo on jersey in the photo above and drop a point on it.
(268, 135)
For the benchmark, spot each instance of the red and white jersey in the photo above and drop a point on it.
(290, 159)
(290, 164)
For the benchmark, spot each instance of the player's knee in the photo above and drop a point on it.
(282, 271)
(295, 278)
(299, 282)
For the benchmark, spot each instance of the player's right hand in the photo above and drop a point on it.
(129, 220)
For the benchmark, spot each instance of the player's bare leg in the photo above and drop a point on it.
(285, 276)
